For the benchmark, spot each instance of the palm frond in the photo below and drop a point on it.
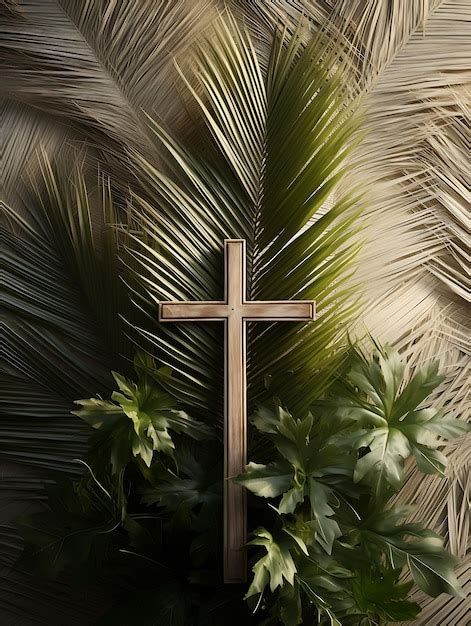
(24, 129)
(275, 156)
(36, 427)
(69, 270)
(117, 54)
(61, 307)
(402, 168)
(445, 150)
(376, 31)
(61, 334)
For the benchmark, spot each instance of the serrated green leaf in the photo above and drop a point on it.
(277, 565)
(377, 592)
(447, 427)
(384, 461)
(431, 566)
(394, 425)
(429, 460)
(291, 499)
(140, 417)
(327, 528)
(267, 481)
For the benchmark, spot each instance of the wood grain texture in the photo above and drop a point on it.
(235, 311)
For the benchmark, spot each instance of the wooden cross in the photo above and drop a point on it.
(235, 311)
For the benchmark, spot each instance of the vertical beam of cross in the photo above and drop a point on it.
(235, 416)
(235, 311)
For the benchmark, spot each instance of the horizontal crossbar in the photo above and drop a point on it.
(287, 310)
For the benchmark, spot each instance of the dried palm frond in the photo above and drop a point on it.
(109, 62)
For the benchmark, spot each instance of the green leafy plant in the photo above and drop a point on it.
(333, 514)
(390, 422)
(305, 471)
(138, 419)
(330, 548)
(383, 595)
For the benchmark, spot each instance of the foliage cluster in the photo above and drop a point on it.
(329, 548)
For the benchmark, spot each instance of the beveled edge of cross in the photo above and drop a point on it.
(308, 313)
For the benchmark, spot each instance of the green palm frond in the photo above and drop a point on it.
(272, 158)
(67, 277)
(62, 304)
(61, 333)
(36, 427)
